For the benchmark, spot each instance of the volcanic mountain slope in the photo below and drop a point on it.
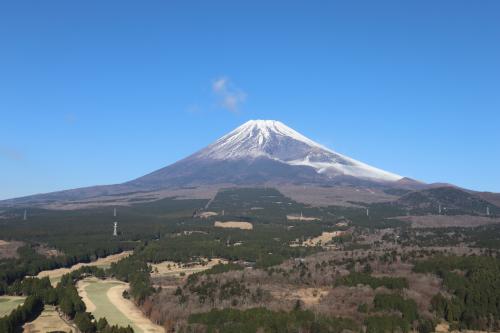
(259, 152)
(263, 151)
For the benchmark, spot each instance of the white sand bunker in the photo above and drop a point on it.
(206, 215)
(234, 224)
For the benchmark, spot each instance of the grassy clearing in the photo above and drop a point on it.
(170, 268)
(48, 321)
(309, 296)
(234, 224)
(322, 239)
(8, 249)
(55, 275)
(9, 303)
(103, 299)
(97, 302)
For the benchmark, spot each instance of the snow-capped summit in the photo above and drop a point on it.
(274, 140)
(253, 139)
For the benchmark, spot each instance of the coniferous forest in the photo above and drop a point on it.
(377, 274)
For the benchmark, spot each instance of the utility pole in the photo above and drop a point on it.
(115, 226)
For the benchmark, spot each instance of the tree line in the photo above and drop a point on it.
(64, 296)
(261, 319)
(474, 283)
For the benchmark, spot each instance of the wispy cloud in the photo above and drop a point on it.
(11, 154)
(230, 97)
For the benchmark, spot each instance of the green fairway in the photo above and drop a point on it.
(97, 294)
(9, 303)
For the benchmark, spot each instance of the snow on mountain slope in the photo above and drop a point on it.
(254, 138)
(273, 139)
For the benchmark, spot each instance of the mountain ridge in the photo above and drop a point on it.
(257, 153)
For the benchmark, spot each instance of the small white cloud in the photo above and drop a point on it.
(230, 97)
(219, 85)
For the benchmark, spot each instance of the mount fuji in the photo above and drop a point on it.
(263, 151)
(257, 153)
(274, 140)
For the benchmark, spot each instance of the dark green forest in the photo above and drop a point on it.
(170, 230)
(474, 285)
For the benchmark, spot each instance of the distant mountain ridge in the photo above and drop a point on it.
(447, 199)
(257, 153)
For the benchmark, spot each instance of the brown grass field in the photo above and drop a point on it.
(48, 321)
(442, 221)
(234, 224)
(309, 296)
(172, 269)
(8, 249)
(56, 274)
(322, 239)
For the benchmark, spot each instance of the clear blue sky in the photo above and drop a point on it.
(99, 92)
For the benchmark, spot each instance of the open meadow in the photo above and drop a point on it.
(234, 224)
(173, 269)
(103, 298)
(56, 274)
(9, 303)
(48, 321)
(8, 249)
